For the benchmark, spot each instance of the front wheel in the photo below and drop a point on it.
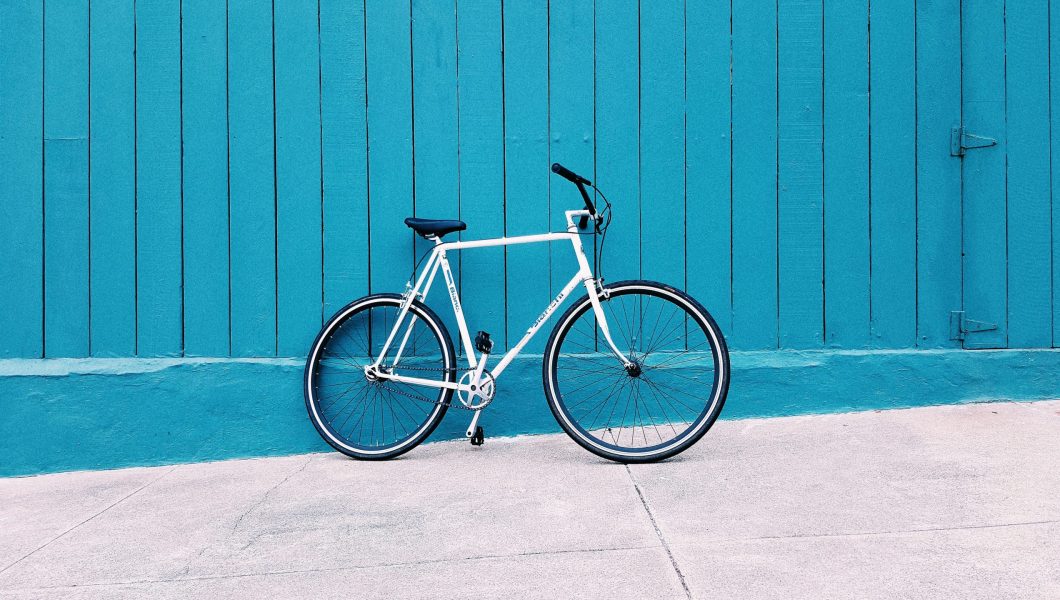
(668, 396)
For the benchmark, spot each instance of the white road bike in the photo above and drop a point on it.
(634, 371)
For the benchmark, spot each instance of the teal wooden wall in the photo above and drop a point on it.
(203, 178)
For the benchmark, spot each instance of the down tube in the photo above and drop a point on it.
(537, 324)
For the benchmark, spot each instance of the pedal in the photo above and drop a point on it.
(483, 343)
(478, 437)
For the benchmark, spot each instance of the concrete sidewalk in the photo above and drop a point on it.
(943, 502)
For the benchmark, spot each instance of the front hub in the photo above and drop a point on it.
(633, 369)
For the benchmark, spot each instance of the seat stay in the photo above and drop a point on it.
(423, 298)
(410, 294)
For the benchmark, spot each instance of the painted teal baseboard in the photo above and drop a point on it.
(72, 414)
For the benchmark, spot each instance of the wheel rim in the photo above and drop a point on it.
(376, 416)
(668, 396)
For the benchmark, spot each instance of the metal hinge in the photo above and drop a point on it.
(961, 140)
(961, 326)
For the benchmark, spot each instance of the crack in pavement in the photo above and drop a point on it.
(265, 496)
(482, 557)
(658, 533)
(110, 506)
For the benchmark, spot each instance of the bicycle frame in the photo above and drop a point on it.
(439, 261)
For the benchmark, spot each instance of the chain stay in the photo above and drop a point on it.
(421, 399)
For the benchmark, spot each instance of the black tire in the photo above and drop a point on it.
(590, 369)
(327, 372)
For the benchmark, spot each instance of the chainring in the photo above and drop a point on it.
(487, 390)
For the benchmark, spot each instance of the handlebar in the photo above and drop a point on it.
(569, 175)
(581, 182)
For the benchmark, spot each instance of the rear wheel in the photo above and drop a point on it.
(373, 417)
(668, 397)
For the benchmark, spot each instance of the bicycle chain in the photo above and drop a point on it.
(448, 404)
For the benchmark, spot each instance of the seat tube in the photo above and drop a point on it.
(458, 311)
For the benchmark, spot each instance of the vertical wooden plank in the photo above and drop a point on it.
(938, 181)
(708, 157)
(570, 111)
(21, 154)
(389, 142)
(662, 142)
(846, 173)
(436, 144)
(205, 156)
(112, 172)
(481, 135)
(893, 175)
(754, 165)
(800, 163)
(526, 160)
(158, 180)
(1027, 117)
(298, 194)
(345, 153)
(985, 256)
(66, 179)
(251, 178)
(618, 133)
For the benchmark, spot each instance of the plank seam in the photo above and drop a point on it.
(916, 178)
(824, 192)
(412, 123)
(43, 196)
(320, 122)
(640, 153)
(89, 176)
(1004, 75)
(732, 318)
(684, 143)
(136, 183)
(183, 285)
(504, 173)
(459, 190)
(367, 144)
(776, 173)
(598, 240)
(961, 19)
(1052, 194)
(868, 79)
(228, 170)
(548, 125)
(275, 203)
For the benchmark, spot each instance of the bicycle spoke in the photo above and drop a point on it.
(660, 387)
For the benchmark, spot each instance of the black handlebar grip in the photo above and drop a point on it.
(569, 175)
(581, 182)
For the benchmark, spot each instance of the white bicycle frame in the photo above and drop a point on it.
(438, 260)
